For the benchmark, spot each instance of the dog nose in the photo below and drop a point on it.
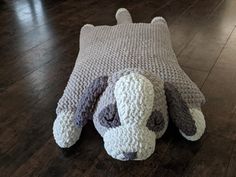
(130, 155)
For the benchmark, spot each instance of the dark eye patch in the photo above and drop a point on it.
(109, 116)
(156, 121)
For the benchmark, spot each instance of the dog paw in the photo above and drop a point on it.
(65, 130)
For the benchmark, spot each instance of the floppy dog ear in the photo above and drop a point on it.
(88, 100)
(178, 111)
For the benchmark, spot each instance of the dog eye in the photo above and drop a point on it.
(109, 116)
(156, 121)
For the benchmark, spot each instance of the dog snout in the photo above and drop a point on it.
(129, 142)
(130, 155)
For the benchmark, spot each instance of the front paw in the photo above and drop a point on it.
(65, 130)
(200, 124)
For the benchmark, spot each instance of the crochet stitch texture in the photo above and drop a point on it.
(108, 49)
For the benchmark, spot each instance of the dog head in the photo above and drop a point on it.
(129, 110)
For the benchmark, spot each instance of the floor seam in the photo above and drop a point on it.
(208, 17)
(188, 67)
(218, 57)
(231, 152)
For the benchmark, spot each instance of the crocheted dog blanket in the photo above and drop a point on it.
(127, 80)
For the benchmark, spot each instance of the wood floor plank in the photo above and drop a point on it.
(198, 77)
(227, 56)
(204, 158)
(140, 15)
(174, 10)
(177, 156)
(212, 159)
(60, 163)
(42, 53)
(53, 14)
(34, 59)
(32, 88)
(220, 92)
(186, 26)
(220, 95)
(56, 27)
(23, 16)
(38, 117)
(231, 171)
(17, 46)
(212, 37)
(24, 7)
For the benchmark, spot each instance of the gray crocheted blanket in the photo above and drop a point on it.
(143, 53)
(108, 49)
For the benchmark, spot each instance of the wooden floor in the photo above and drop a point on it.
(38, 48)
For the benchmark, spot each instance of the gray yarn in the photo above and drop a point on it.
(89, 99)
(105, 50)
(130, 155)
(178, 111)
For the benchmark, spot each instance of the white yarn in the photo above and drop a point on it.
(129, 139)
(88, 25)
(134, 95)
(156, 19)
(123, 16)
(200, 123)
(65, 131)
